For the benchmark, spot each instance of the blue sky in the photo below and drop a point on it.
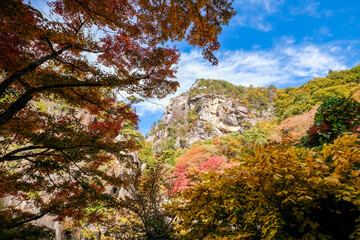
(285, 43)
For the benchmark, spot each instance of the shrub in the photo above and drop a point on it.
(172, 132)
(333, 118)
(255, 135)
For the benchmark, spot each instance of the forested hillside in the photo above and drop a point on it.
(294, 175)
(293, 101)
(214, 108)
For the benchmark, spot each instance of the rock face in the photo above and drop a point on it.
(209, 109)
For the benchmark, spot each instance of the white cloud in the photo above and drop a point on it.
(285, 64)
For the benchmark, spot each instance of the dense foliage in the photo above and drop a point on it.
(270, 190)
(278, 191)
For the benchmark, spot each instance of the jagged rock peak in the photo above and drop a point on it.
(209, 109)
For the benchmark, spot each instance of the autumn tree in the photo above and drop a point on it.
(295, 127)
(192, 164)
(79, 56)
(278, 191)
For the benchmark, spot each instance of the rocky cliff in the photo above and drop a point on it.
(209, 109)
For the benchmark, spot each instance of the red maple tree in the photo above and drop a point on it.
(48, 59)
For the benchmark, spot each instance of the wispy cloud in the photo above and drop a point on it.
(269, 6)
(256, 13)
(308, 7)
(253, 13)
(286, 63)
(311, 8)
(324, 31)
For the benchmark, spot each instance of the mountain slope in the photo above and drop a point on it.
(213, 108)
(209, 109)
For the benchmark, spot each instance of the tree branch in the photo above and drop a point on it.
(18, 157)
(71, 64)
(89, 101)
(88, 50)
(32, 218)
(21, 102)
(8, 81)
(10, 156)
